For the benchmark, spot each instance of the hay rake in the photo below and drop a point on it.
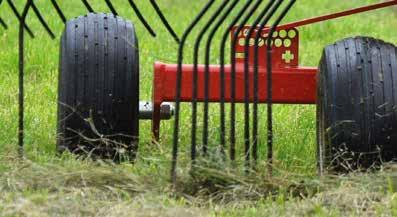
(353, 87)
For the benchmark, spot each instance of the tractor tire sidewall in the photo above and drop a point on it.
(356, 105)
(98, 92)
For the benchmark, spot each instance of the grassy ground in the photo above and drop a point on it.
(47, 185)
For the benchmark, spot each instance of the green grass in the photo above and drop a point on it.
(47, 185)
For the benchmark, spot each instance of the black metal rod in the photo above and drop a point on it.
(42, 21)
(270, 86)
(258, 34)
(21, 73)
(247, 40)
(233, 75)
(225, 38)
(111, 7)
(16, 13)
(3, 24)
(165, 21)
(206, 27)
(207, 62)
(141, 18)
(59, 11)
(195, 83)
(88, 6)
(178, 89)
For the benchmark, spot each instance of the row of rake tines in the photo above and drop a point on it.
(264, 11)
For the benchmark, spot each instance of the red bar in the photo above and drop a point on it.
(290, 85)
(337, 15)
(294, 85)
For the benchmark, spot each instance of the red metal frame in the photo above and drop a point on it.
(292, 84)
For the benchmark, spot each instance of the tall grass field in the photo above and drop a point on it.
(45, 183)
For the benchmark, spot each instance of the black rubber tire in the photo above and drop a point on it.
(356, 105)
(99, 88)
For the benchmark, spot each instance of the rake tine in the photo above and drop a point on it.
(178, 88)
(207, 62)
(141, 18)
(16, 13)
(225, 37)
(42, 21)
(195, 80)
(256, 87)
(110, 5)
(233, 76)
(88, 6)
(246, 83)
(270, 86)
(21, 68)
(195, 84)
(59, 11)
(3, 24)
(164, 20)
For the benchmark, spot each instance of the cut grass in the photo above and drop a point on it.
(63, 187)
(50, 185)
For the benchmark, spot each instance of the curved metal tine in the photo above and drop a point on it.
(270, 86)
(165, 21)
(16, 13)
(88, 6)
(247, 40)
(200, 36)
(141, 18)
(225, 38)
(258, 35)
(178, 88)
(42, 21)
(59, 11)
(207, 62)
(3, 24)
(21, 68)
(110, 6)
(233, 75)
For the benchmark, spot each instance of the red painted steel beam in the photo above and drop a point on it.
(338, 15)
(291, 85)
